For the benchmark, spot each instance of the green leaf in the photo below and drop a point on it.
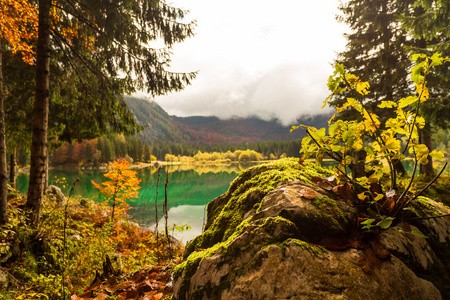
(385, 223)
(340, 68)
(419, 234)
(367, 224)
(335, 148)
(393, 144)
(436, 59)
(416, 233)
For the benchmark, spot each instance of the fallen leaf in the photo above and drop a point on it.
(316, 179)
(368, 261)
(344, 191)
(101, 296)
(376, 188)
(380, 251)
(158, 296)
(389, 204)
(307, 193)
(301, 160)
(326, 185)
(124, 285)
(153, 285)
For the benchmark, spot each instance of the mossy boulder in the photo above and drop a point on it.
(263, 240)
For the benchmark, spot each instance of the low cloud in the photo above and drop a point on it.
(285, 93)
(257, 58)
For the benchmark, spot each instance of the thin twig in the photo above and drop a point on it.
(156, 212)
(415, 115)
(166, 213)
(425, 218)
(331, 154)
(64, 236)
(378, 137)
(430, 183)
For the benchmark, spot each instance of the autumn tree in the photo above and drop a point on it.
(17, 22)
(109, 55)
(122, 186)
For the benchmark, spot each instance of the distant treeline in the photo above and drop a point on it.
(107, 149)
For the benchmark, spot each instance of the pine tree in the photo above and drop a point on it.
(375, 49)
(427, 21)
(16, 17)
(375, 52)
(106, 43)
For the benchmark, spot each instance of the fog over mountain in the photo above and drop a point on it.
(256, 58)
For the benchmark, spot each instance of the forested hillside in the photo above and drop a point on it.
(160, 127)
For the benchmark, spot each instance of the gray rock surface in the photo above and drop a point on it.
(54, 194)
(264, 244)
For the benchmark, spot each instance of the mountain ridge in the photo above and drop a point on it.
(211, 130)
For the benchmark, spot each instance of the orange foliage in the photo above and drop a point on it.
(19, 27)
(122, 186)
(19, 24)
(70, 31)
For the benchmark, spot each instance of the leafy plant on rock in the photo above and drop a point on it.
(370, 147)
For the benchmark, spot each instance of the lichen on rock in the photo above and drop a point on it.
(263, 241)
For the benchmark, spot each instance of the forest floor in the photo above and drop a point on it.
(77, 252)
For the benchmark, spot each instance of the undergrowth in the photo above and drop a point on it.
(45, 263)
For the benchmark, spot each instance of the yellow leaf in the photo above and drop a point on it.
(362, 196)
(358, 145)
(393, 144)
(407, 101)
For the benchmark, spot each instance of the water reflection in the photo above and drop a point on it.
(188, 192)
(190, 214)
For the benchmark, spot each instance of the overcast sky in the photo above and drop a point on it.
(256, 58)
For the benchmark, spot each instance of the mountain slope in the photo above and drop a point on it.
(211, 130)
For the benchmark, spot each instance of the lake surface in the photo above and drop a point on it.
(189, 191)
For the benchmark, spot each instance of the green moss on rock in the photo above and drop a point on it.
(331, 210)
(226, 221)
(247, 191)
(313, 249)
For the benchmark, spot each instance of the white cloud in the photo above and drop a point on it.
(256, 57)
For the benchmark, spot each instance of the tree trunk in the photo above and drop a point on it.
(3, 166)
(425, 138)
(12, 169)
(39, 142)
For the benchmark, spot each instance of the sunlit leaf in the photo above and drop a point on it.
(437, 155)
(407, 101)
(387, 104)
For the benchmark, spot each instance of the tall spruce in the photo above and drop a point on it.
(107, 50)
(384, 34)
(375, 49)
(427, 21)
(16, 19)
(375, 52)
(3, 167)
